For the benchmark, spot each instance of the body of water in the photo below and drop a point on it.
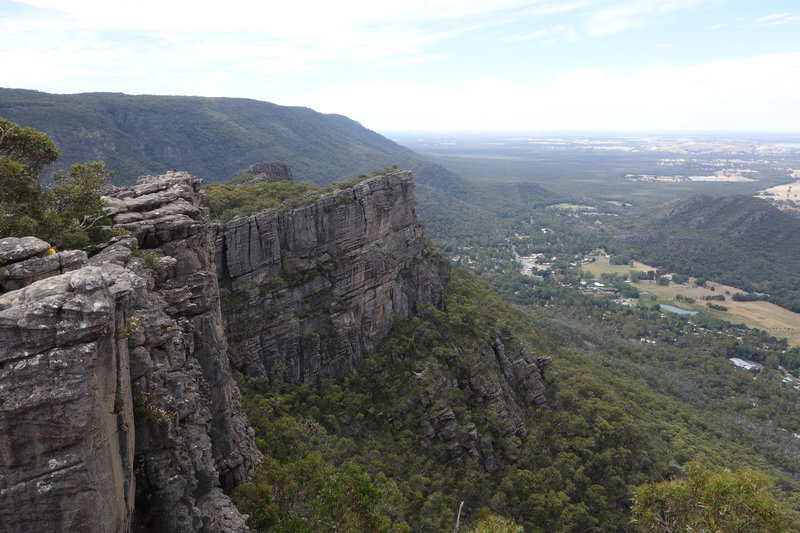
(677, 310)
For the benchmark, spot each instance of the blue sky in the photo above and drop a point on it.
(568, 65)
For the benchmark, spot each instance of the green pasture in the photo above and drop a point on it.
(767, 316)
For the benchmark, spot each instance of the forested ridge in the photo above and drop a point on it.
(618, 414)
(209, 137)
(569, 469)
(635, 395)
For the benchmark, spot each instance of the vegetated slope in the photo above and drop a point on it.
(481, 215)
(444, 412)
(736, 240)
(209, 137)
(416, 428)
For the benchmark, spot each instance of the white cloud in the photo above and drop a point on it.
(298, 18)
(276, 39)
(756, 93)
(538, 34)
(617, 16)
(776, 19)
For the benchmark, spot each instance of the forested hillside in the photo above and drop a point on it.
(437, 416)
(209, 137)
(549, 412)
(400, 442)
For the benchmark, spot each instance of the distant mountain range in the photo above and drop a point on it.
(209, 137)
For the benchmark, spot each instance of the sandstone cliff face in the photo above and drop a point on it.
(310, 291)
(180, 367)
(66, 418)
(118, 411)
(117, 407)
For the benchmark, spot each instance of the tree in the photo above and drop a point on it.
(70, 214)
(23, 153)
(497, 524)
(76, 200)
(711, 501)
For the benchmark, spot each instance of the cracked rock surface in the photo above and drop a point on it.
(118, 410)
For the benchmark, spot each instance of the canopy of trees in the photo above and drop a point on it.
(709, 500)
(70, 213)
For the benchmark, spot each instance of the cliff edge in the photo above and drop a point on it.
(311, 290)
(118, 410)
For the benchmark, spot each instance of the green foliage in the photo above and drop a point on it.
(691, 401)
(296, 490)
(749, 297)
(77, 202)
(740, 241)
(209, 137)
(569, 471)
(709, 500)
(151, 261)
(70, 214)
(31, 148)
(226, 200)
(377, 172)
(231, 300)
(23, 152)
(497, 524)
(241, 178)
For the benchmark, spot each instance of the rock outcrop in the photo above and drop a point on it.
(493, 378)
(118, 411)
(66, 416)
(268, 171)
(181, 367)
(311, 290)
(25, 262)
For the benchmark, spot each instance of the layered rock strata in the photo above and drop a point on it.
(180, 367)
(66, 415)
(311, 290)
(118, 411)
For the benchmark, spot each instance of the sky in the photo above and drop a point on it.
(436, 65)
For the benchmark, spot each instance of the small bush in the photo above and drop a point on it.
(151, 261)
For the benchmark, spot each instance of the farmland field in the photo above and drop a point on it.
(767, 316)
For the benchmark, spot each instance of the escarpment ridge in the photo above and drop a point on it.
(118, 410)
(314, 289)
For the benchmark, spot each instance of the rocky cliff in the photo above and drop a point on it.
(267, 171)
(117, 407)
(311, 290)
(118, 411)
